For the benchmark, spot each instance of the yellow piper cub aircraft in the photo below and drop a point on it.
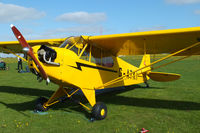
(91, 63)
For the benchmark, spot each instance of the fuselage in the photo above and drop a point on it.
(85, 70)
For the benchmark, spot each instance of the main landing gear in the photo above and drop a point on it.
(39, 104)
(98, 111)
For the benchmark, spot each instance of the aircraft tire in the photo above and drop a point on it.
(99, 111)
(39, 104)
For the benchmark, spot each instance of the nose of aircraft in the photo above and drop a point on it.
(28, 49)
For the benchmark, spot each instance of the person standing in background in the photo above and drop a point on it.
(19, 66)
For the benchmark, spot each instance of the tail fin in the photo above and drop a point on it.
(146, 61)
(156, 76)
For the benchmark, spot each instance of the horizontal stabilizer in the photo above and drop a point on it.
(163, 77)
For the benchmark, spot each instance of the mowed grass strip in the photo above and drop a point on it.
(162, 108)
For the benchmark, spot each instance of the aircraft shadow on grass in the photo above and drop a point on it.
(109, 97)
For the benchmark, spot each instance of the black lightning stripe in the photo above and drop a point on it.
(79, 65)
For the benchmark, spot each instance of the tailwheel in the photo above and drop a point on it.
(39, 104)
(99, 111)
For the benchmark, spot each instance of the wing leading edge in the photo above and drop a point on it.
(15, 46)
(150, 42)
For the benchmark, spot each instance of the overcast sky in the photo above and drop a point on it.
(43, 19)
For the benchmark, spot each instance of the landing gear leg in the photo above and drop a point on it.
(145, 80)
(147, 85)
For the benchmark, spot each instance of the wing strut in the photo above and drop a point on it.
(9, 51)
(131, 74)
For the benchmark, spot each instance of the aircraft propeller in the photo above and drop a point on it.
(28, 49)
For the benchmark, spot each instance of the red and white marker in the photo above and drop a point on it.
(144, 130)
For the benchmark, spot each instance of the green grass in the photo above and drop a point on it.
(162, 108)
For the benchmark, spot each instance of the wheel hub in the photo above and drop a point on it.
(102, 112)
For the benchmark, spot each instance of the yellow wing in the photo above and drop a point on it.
(16, 47)
(150, 42)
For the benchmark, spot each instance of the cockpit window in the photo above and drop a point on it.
(88, 52)
(101, 57)
(74, 44)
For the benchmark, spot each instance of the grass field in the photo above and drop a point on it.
(172, 107)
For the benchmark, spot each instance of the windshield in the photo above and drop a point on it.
(67, 42)
(75, 44)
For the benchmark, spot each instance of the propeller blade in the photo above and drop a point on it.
(26, 47)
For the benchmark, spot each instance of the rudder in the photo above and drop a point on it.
(145, 62)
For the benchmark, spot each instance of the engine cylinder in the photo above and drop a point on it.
(48, 53)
